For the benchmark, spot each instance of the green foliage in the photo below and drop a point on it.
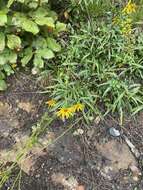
(101, 67)
(96, 7)
(27, 32)
(89, 9)
(139, 16)
(13, 42)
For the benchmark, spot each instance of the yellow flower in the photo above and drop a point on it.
(127, 29)
(127, 26)
(77, 107)
(65, 113)
(130, 8)
(51, 103)
(116, 20)
(14, 65)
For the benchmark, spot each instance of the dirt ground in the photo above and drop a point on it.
(86, 158)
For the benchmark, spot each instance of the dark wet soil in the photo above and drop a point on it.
(71, 155)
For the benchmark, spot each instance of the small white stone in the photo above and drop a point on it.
(37, 176)
(114, 132)
(78, 132)
(35, 71)
(135, 178)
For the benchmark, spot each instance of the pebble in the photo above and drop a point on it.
(78, 132)
(37, 176)
(114, 132)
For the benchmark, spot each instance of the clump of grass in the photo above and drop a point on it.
(102, 67)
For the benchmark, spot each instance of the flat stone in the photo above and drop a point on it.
(117, 156)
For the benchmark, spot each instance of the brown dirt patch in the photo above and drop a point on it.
(75, 157)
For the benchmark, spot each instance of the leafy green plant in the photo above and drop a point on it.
(27, 33)
(101, 68)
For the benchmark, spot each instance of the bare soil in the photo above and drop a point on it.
(85, 161)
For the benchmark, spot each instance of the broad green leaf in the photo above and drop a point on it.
(2, 60)
(48, 21)
(3, 85)
(52, 14)
(53, 45)
(45, 53)
(38, 62)
(2, 76)
(26, 24)
(43, 12)
(13, 41)
(8, 56)
(2, 41)
(30, 26)
(3, 18)
(60, 27)
(18, 19)
(27, 57)
(33, 5)
(39, 43)
(7, 68)
(10, 2)
(39, 13)
(12, 57)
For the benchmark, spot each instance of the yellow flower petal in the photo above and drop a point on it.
(130, 8)
(78, 107)
(14, 65)
(64, 113)
(51, 103)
